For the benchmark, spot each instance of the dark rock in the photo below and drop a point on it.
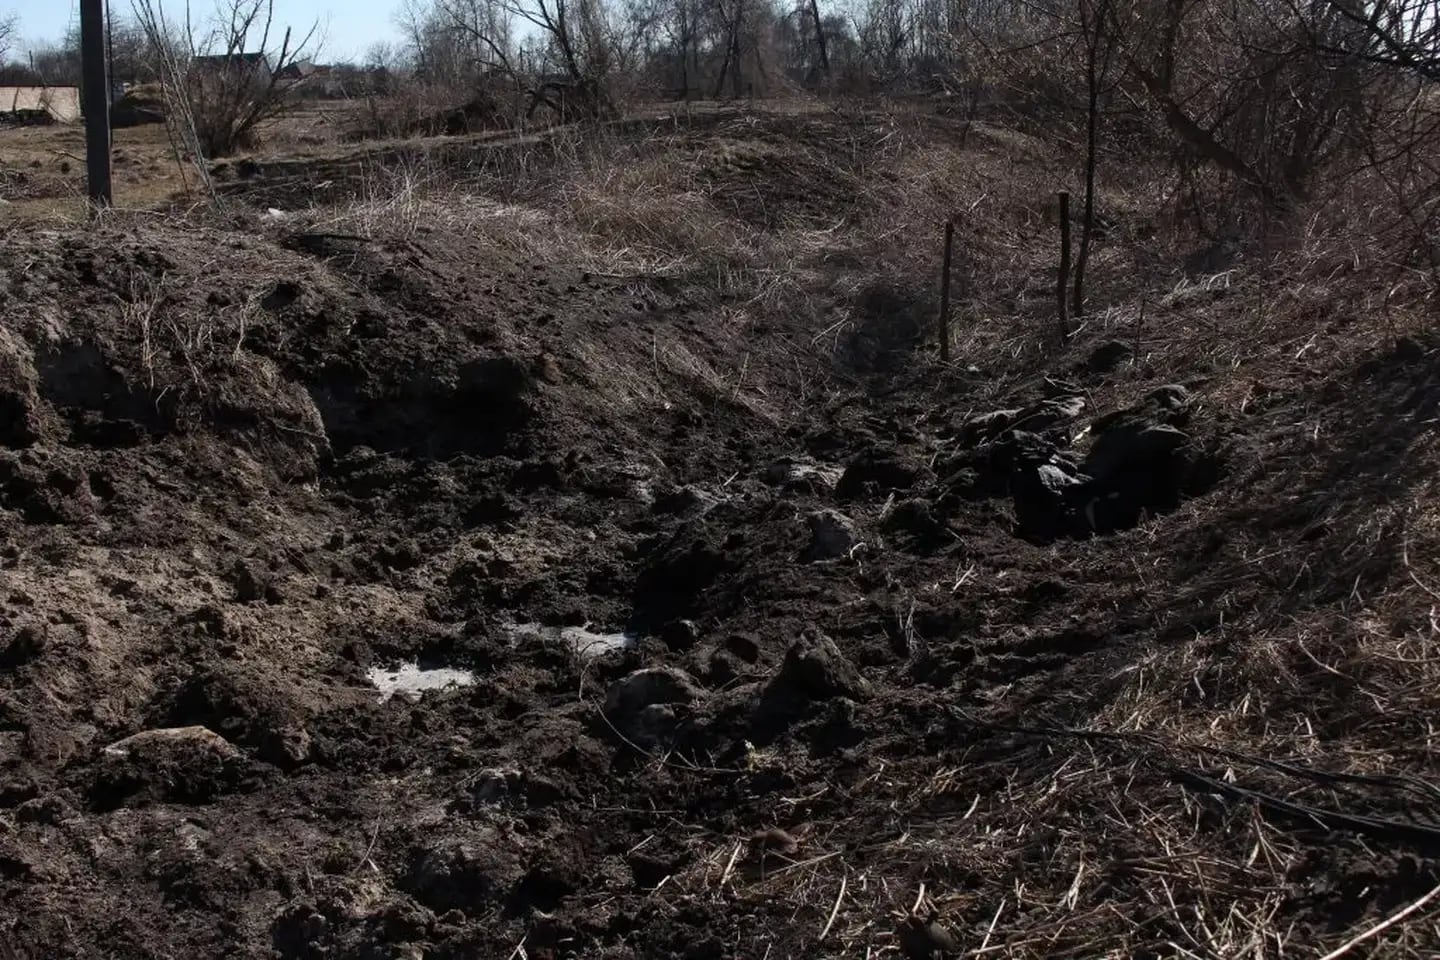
(914, 521)
(1022, 448)
(680, 635)
(250, 579)
(1050, 413)
(1109, 355)
(832, 535)
(986, 426)
(642, 704)
(815, 667)
(925, 938)
(1142, 462)
(27, 643)
(798, 473)
(1042, 496)
(1133, 447)
(44, 810)
(876, 473)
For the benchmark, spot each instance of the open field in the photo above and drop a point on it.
(777, 636)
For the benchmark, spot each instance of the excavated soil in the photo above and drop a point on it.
(866, 602)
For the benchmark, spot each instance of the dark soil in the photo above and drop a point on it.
(238, 469)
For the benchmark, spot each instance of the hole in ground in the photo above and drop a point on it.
(479, 408)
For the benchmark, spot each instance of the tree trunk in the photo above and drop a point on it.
(820, 36)
(724, 69)
(685, 68)
(736, 81)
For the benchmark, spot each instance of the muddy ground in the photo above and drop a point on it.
(1059, 644)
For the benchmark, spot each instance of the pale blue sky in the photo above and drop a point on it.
(349, 26)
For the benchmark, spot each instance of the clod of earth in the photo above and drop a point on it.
(680, 635)
(471, 872)
(926, 939)
(814, 667)
(798, 473)
(1108, 356)
(832, 535)
(642, 705)
(171, 741)
(178, 765)
(775, 840)
(875, 473)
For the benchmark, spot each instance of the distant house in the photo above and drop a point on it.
(254, 67)
(60, 104)
(321, 81)
(304, 70)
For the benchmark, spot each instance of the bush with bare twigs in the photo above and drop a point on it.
(224, 82)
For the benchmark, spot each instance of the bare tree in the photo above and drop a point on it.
(575, 55)
(733, 20)
(226, 79)
(1398, 33)
(820, 36)
(1097, 41)
(682, 25)
(8, 24)
(1245, 87)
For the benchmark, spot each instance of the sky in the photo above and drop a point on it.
(349, 27)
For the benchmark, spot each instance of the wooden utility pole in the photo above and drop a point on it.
(1064, 281)
(95, 100)
(945, 294)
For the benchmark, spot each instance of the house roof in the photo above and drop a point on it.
(305, 68)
